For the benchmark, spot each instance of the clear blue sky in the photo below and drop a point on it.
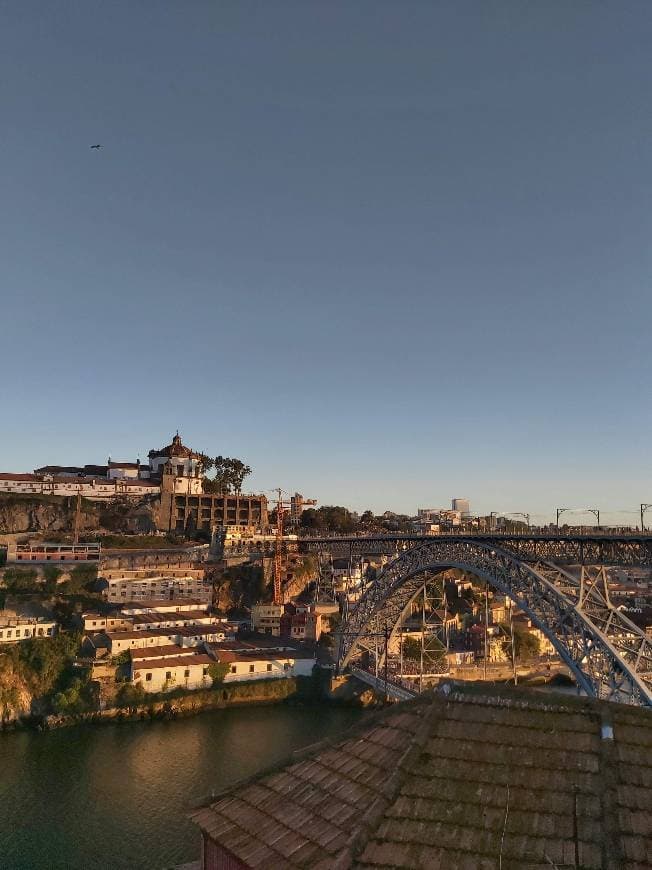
(386, 252)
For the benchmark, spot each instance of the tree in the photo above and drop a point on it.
(411, 649)
(526, 644)
(206, 463)
(130, 696)
(229, 475)
(51, 574)
(332, 518)
(81, 578)
(218, 671)
(77, 698)
(21, 580)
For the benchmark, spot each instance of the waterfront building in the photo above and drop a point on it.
(260, 665)
(465, 779)
(14, 628)
(172, 672)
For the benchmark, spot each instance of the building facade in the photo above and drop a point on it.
(124, 589)
(13, 629)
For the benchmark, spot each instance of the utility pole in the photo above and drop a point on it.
(644, 507)
(511, 631)
(75, 539)
(486, 625)
(386, 663)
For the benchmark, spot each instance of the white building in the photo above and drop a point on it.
(264, 665)
(463, 506)
(177, 462)
(92, 488)
(185, 636)
(16, 628)
(164, 605)
(266, 618)
(93, 622)
(169, 672)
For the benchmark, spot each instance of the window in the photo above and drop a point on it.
(148, 677)
(251, 669)
(286, 666)
(168, 675)
(186, 673)
(269, 667)
(234, 669)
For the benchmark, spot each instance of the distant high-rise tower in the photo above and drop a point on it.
(462, 505)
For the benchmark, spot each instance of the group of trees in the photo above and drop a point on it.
(330, 518)
(340, 520)
(27, 580)
(228, 474)
(44, 665)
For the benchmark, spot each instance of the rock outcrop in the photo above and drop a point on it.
(15, 697)
(24, 513)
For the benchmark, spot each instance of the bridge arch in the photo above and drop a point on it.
(610, 657)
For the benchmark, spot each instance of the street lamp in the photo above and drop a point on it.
(560, 511)
(594, 511)
(644, 507)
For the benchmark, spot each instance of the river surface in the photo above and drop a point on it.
(117, 796)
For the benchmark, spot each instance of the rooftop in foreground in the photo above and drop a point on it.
(474, 779)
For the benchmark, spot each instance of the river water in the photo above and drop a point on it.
(117, 796)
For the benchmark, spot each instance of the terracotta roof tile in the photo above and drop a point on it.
(425, 785)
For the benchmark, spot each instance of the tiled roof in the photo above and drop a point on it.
(160, 652)
(508, 780)
(179, 662)
(226, 655)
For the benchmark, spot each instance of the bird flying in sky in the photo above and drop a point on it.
(96, 146)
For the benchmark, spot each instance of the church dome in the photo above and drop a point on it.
(176, 449)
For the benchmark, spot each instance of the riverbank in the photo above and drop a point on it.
(297, 690)
(293, 691)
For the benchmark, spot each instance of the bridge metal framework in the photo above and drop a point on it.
(609, 656)
(585, 549)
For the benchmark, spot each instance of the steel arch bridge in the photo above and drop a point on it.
(609, 656)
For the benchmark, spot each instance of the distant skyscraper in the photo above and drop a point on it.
(462, 505)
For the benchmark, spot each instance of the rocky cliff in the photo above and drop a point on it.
(15, 697)
(25, 513)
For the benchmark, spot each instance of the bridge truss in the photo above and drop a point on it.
(609, 656)
(586, 549)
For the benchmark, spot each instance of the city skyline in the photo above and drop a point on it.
(386, 257)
